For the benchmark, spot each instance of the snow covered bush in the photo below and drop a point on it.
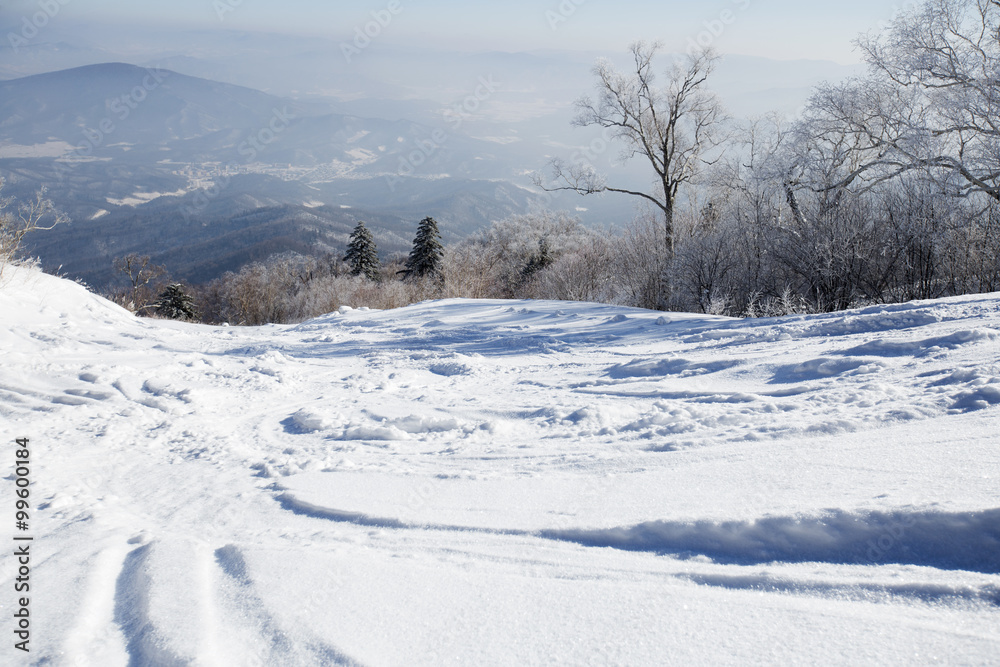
(586, 273)
(145, 281)
(16, 221)
(503, 260)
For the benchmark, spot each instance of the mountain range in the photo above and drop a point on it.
(135, 155)
(138, 154)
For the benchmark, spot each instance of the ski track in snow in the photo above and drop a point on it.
(491, 482)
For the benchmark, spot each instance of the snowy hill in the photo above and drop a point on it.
(490, 482)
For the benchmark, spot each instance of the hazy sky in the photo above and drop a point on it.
(783, 29)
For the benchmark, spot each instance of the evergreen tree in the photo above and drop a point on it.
(176, 304)
(539, 260)
(362, 255)
(425, 258)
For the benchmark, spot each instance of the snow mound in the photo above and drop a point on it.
(662, 367)
(977, 399)
(450, 369)
(826, 367)
(919, 348)
(416, 424)
(373, 432)
(967, 540)
(308, 421)
(34, 300)
(952, 541)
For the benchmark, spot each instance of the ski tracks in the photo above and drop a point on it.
(183, 602)
(273, 643)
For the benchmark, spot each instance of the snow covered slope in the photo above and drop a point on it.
(490, 482)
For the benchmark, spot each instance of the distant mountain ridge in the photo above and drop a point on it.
(152, 161)
(162, 105)
(132, 113)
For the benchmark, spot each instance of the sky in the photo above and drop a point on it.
(780, 29)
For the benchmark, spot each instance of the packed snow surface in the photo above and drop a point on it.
(494, 482)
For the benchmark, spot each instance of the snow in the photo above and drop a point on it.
(52, 148)
(140, 198)
(362, 156)
(492, 482)
(501, 140)
(358, 136)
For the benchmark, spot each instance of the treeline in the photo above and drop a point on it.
(750, 253)
(741, 254)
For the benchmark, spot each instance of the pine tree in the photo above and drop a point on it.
(176, 304)
(362, 255)
(539, 260)
(425, 258)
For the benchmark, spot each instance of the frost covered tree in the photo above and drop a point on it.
(427, 254)
(674, 127)
(15, 223)
(176, 304)
(929, 103)
(362, 255)
(143, 277)
(540, 260)
(497, 262)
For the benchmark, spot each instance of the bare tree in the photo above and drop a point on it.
(930, 102)
(639, 259)
(143, 278)
(673, 127)
(34, 215)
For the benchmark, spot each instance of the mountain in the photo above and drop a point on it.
(254, 217)
(137, 156)
(137, 114)
(147, 106)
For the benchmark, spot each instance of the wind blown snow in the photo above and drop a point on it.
(494, 482)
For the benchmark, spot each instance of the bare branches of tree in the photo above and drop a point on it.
(930, 102)
(16, 222)
(673, 128)
(143, 277)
